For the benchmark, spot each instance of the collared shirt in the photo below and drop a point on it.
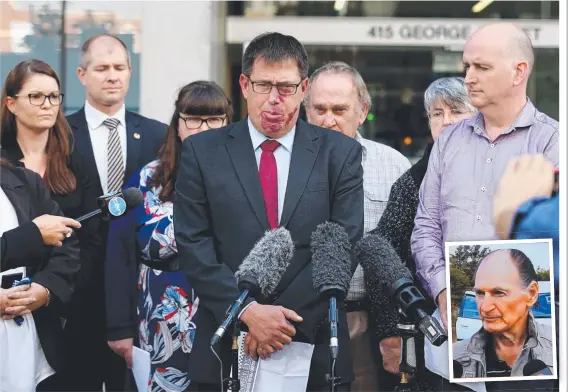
(99, 138)
(477, 356)
(282, 154)
(456, 196)
(382, 166)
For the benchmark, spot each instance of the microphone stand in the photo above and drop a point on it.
(233, 383)
(409, 365)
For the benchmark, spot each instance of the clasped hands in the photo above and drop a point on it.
(21, 300)
(269, 329)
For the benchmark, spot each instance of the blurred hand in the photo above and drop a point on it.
(18, 305)
(54, 229)
(35, 297)
(268, 326)
(525, 178)
(123, 348)
(390, 351)
(442, 305)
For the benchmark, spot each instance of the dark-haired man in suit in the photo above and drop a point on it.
(270, 170)
(114, 143)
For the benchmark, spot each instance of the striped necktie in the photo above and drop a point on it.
(115, 162)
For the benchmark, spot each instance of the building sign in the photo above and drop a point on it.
(383, 31)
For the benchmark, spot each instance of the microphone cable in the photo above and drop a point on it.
(221, 367)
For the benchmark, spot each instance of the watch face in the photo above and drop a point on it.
(116, 206)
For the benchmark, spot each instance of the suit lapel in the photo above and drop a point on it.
(304, 153)
(133, 144)
(243, 158)
(16, 192)
(84, 146)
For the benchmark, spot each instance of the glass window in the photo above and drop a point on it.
(33, 30)
(401, 9)
(29, 30)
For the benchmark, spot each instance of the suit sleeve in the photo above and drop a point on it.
(213, 281)
(60, 272)
(347, 211)
(21, 246)
(89, 236)
(120, 278)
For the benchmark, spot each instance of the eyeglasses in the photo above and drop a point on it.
(197, 122)
(38, 99)
(438, 115)
(266, 88)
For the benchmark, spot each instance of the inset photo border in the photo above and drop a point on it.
(478, 295)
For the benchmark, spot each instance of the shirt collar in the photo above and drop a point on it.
(286, 141)
(95, 118)
(524, 120)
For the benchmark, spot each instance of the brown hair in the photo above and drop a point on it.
(85, 48)
(201, 98)
(58, 177)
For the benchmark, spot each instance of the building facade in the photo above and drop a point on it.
(399, 47)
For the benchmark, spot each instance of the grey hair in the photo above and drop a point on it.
(339, 67)
(450, 90)
(85, 59)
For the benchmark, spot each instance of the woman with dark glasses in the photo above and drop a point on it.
(142, 244)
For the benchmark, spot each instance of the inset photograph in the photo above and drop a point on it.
(501, 318)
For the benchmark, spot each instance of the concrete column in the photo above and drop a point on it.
(181, 41)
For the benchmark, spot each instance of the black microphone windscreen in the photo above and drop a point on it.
(268, 260)
(380, 262)
(533, 367)
(458, 369)
(132, 197)
(331, 259)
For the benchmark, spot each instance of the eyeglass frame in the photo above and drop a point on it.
(276, 85)
(61, 95)
(203, 120)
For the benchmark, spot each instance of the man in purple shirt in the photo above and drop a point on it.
(469, 157)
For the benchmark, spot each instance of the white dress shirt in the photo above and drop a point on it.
(282, 154)
(22, 362)
(99, 138)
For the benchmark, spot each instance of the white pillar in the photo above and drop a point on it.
(181, 41)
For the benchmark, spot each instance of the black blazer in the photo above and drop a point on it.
(52, 267)
(144, 138)
(80, 201)
(219, 214)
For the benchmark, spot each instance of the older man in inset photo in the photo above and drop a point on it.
(506, 288)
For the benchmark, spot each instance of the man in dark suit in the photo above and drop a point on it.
(225, 202)
(114, 143)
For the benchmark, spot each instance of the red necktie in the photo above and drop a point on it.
(268, 175)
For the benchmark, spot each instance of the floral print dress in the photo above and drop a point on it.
(166, 303)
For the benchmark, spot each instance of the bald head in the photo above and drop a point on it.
(102, 43)
(513, 41)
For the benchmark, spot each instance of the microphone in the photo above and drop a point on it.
(114, 205)
(536, 368)
(458, 369)
(386, 274)
(260, 272)
(331, 271)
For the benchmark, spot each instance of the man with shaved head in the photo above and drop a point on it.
(506, 288)
(114, 143)
(470, 156)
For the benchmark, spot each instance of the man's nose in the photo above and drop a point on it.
(447, 120)
(328, 121)
(274, 95)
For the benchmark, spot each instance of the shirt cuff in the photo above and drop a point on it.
(437, 284)
(245, 308)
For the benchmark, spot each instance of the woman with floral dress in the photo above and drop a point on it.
(159, 308)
